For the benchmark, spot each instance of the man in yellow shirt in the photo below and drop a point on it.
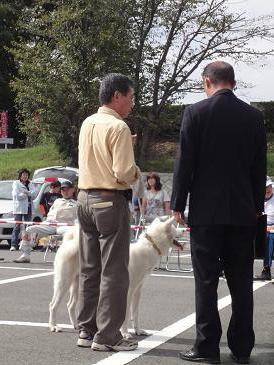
(106, 170)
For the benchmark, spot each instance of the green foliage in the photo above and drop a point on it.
(47, 155)
(267, 108)
(270, 163)
(163, 164)
(31, 158)
(66, 46)
(9, 12)
(70, 45)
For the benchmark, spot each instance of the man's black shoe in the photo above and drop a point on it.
(192, 355)
(240, 359)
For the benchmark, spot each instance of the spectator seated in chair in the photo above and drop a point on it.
(269, 211)
(63, 210)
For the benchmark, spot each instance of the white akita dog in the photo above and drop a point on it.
(144, 257)
(66, 277)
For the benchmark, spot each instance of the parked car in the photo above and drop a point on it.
(66, 172)
(39, 185)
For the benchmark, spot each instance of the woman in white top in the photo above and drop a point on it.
(22, 200)
(156, 201)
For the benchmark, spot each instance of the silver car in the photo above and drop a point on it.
(39, 186)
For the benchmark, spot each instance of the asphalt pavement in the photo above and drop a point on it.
(167, 311)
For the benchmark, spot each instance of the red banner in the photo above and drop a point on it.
(4, 125)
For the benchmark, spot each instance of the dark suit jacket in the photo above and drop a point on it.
(221, 162)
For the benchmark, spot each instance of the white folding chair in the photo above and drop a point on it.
(54, 242)
(177, 254)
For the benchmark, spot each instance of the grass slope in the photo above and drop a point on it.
(47, 155)
(33, 158)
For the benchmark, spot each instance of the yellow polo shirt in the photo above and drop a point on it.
(106, 158)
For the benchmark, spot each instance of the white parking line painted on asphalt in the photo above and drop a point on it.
(32, 324)
(174, 276)
(27, 277)
(180, 276)
(160, 337)
(23, 268)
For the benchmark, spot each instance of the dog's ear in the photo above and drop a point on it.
(169, 222)
(155, 221)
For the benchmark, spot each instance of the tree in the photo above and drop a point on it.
(9, 12)
(67, 46)
(70, 45)
(172, 39)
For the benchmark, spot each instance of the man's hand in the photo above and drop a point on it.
(180, 218)
(134, 137)
(270, 228)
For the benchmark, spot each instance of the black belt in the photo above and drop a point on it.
(126, 193)
(101, 190)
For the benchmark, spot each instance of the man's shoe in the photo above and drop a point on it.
(122, 345)
(22, 260)
(99, 347)
(265, 275)
(192, 355)
(12, 248)
(84, 339)
(240, 359)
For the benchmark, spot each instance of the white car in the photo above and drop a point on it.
(39, 185)
(66, 172)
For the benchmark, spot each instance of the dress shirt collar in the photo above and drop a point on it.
(105, 109)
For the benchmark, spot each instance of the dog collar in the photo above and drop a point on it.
(153, 244)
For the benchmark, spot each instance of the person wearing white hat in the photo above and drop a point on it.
(269, 211)
(63, 210)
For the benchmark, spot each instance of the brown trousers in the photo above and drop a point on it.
(104, 255)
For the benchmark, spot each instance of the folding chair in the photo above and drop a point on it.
(177, 252)
(54, 242)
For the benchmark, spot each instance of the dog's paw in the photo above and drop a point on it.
(55, 328)
(127, 335)
(140, 332)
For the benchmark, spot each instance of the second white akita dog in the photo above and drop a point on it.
(144, 257)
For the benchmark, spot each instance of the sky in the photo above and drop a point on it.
(260, 75)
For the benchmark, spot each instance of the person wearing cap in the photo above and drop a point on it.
(50, 196)
(63, 210)
(269, 211)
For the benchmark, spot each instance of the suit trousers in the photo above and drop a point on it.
(104, 255)
(230, 248)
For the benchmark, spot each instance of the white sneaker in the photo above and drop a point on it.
(22, 260)
(122, 345)
(12, 248)
(84, 339)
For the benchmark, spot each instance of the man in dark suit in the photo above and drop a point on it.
(222, 164)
